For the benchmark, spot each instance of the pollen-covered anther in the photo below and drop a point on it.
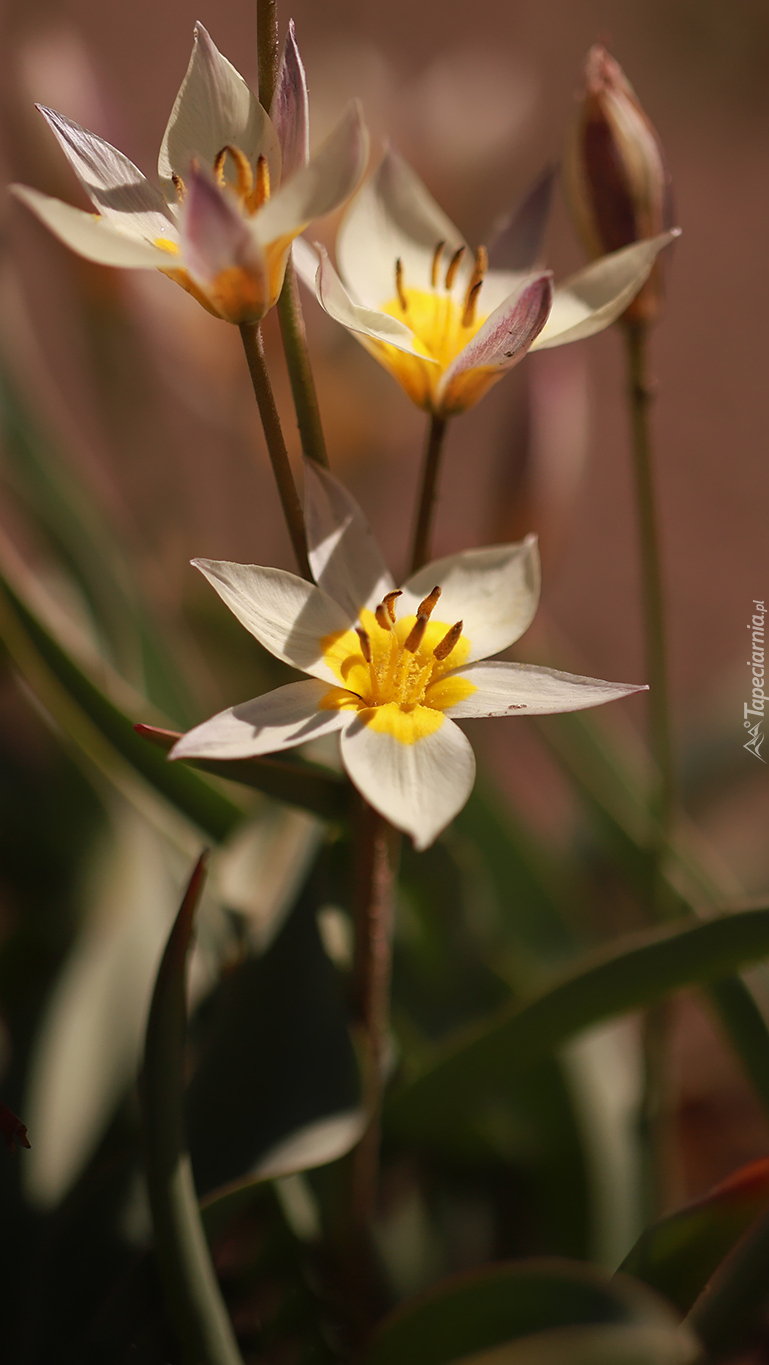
(383, 617)
(445, 646)
(436, 265)
(261, 191)
(404, 303)
(416, 635)
(428, 604)
(179, 186)
(454, 263)
(365, 643)
(389, 600)
(474, 286)
(245, 177)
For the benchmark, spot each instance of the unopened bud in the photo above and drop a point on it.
(617, 178)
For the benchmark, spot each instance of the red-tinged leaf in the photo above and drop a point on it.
(12, 1129)
(679, 1255)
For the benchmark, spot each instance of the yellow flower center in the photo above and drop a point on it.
(394, 672)
(442, 325)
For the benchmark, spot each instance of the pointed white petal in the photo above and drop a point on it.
(320, 186)
(278, 720)
(494, 591)
(518, 238)
(418, 787)
(287, 615)
(505, 337)
(117, 187)
(318, 1143)
(596, 296)
(214, 107)
(90, 236)
(508, 689)
(215, 236)
(344, 556)
(393, 217)
(289, 109)
(333, 297)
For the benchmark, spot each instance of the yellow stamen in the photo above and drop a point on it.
(261, 191)
(416, 635)
(179, 186)
(451, 273)
(382, 617)
(399, 285)
(436, 264)
(365, 643)
(445, 646)
(245, 176)
(474, 286)
(389, 601)
(427, 606)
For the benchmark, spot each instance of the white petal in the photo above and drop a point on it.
(393, 217)
(344, 556)
(278, 720)
(494, 591)
(214, 107)
(507, 689)
(418, 787)
(214, 235)
(333, 297)
(320, 186)
(289, 109)
(90, 236)
(117, 187)
(518, 238)
(506, 336)
(596, 296)
(287, 615)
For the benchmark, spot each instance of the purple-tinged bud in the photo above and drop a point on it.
(616, 174)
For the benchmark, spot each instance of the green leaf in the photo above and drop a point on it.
(679, 1254)
(308, 785)
(488, 1308)
(637, 972)
(188, 1276)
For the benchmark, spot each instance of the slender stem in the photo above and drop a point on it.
(430, 470)
(374, 895)
(299, 371)
(640, 398)
(267, 49)
(292, 508)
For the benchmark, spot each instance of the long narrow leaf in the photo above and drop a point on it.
(637, 973)
(189, 1280)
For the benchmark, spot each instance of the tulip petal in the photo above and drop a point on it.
(494, 591)
(418, 787)
(393, 218)
(344, 557)
(111, 181)
(596, 296)
(279, 720)
(215, 236)
(518, 239)
(505, 689)
(288, 616)
(289, 109)
(214, 107)
(503, 340)
(320, 186)
(90, 236)
(318, 274)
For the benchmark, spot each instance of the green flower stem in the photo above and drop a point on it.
(299, 371)
(276, 446)
(640, 398)
(267, 49)
(430, 471)
(375, 876)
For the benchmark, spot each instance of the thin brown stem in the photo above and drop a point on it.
(267, 49)
(303, 389)
(430, 471)
(276, 446)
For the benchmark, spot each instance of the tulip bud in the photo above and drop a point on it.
(616, 175)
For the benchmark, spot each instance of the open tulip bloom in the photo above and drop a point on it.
(432, 312)
(238, 186)
(390, 671)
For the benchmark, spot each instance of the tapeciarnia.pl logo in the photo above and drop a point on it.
(755, 707)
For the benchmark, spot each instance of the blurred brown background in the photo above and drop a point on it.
(150, 397)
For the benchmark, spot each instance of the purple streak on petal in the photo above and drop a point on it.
(517, 239)
(506, 336)
(289, 109)
(214, 235)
